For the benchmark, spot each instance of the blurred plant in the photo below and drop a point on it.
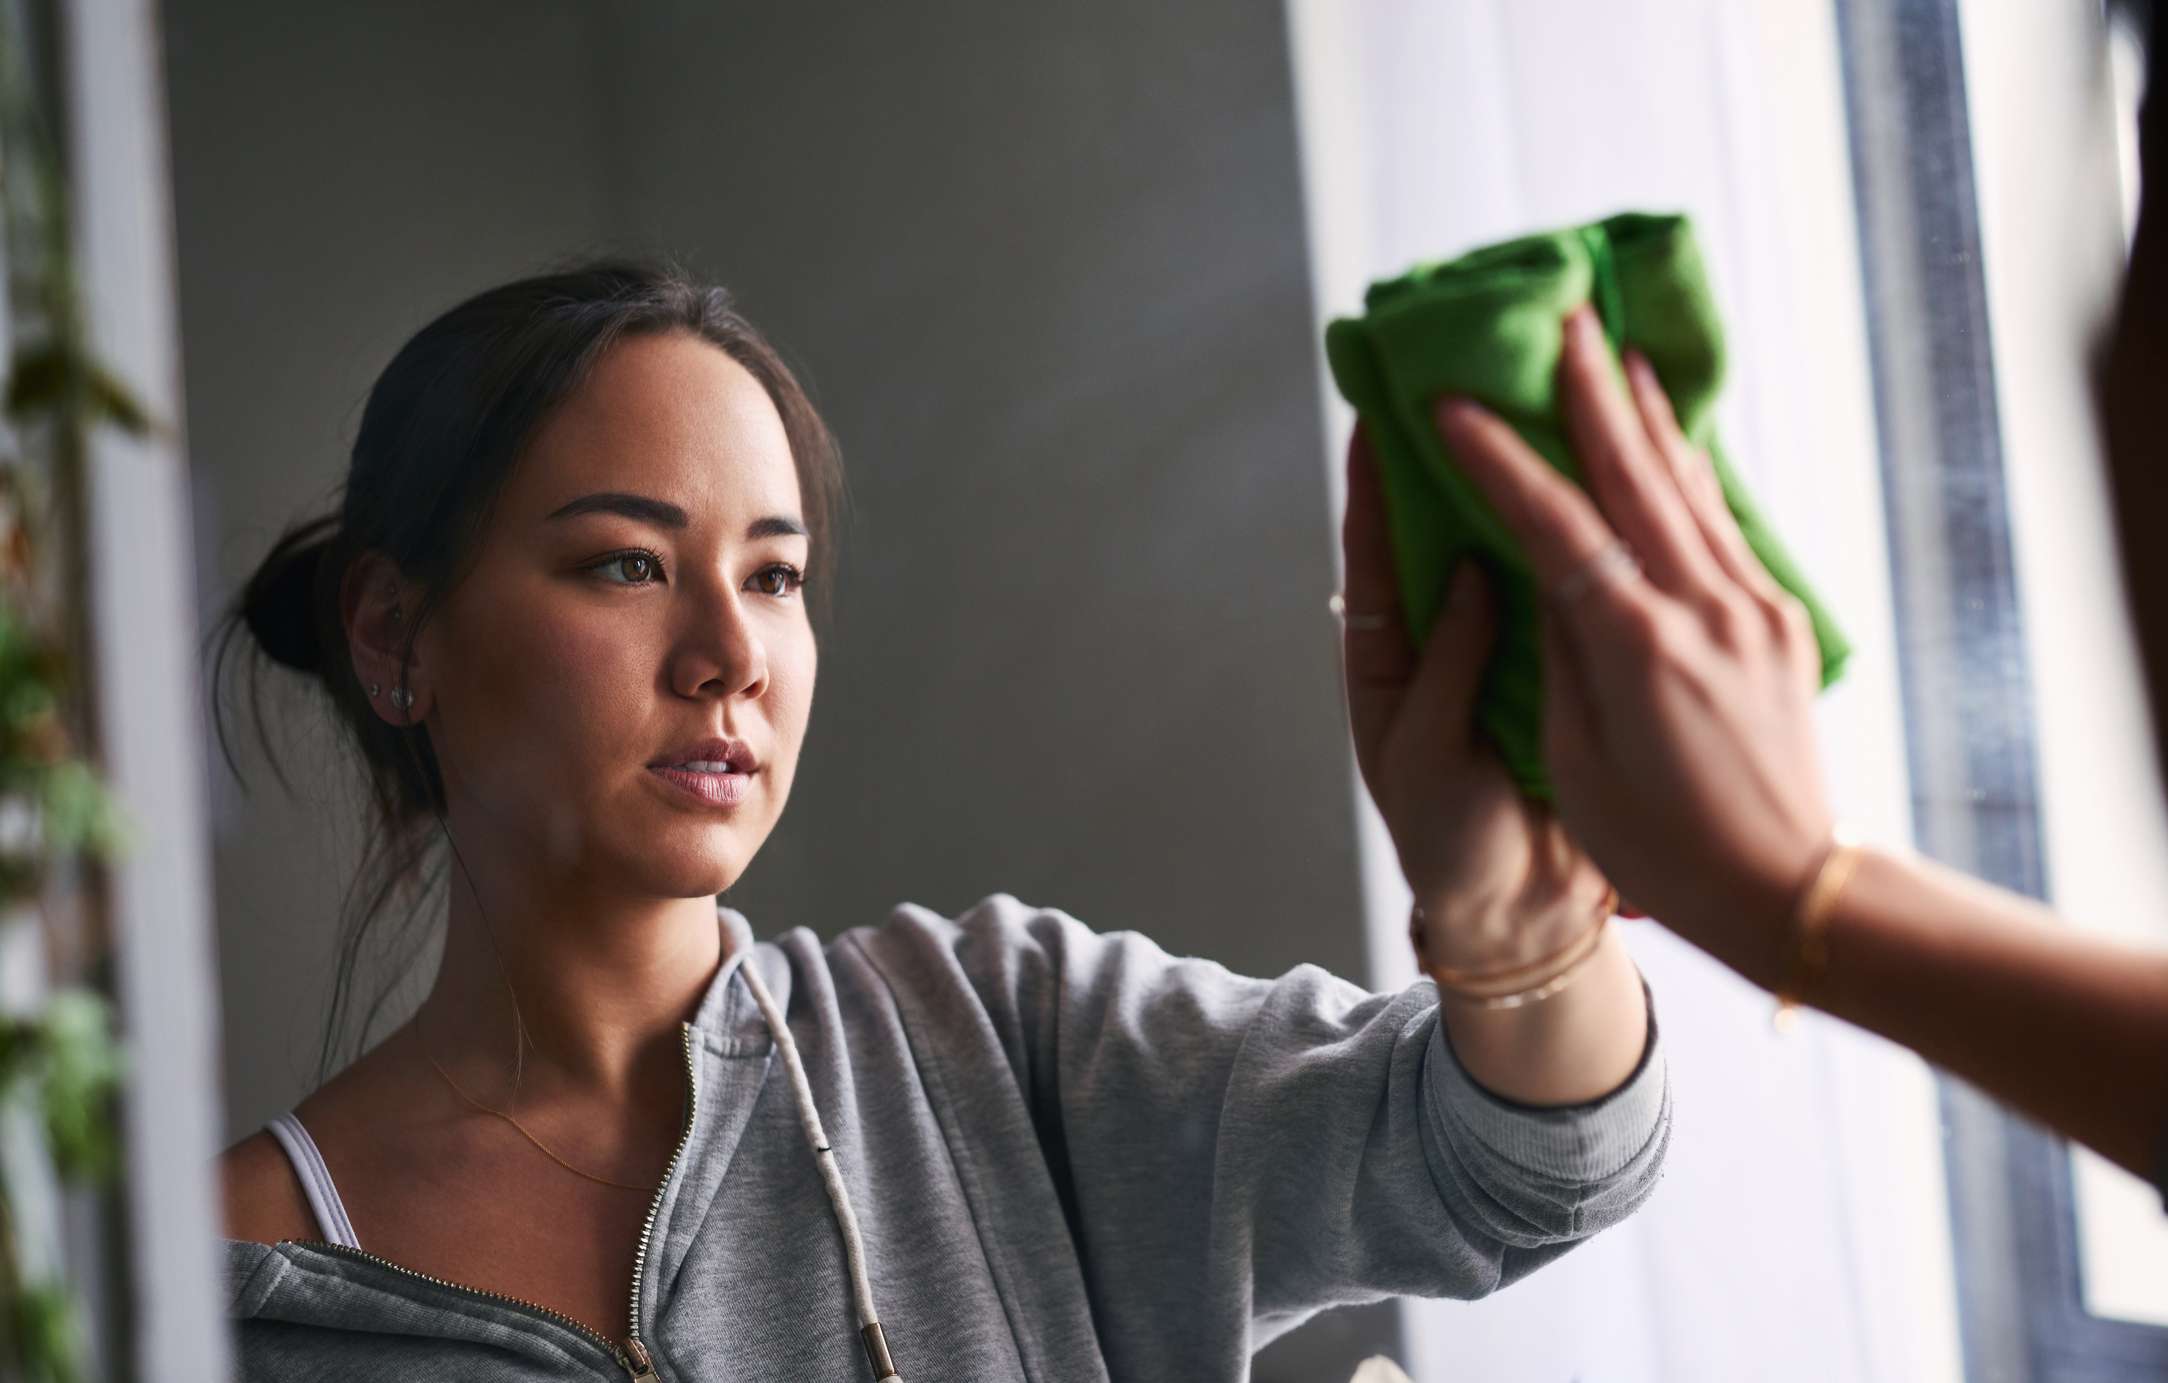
(59, 1064)
(63, 1062)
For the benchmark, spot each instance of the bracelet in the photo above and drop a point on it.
(1521, 984)
(1806, 956)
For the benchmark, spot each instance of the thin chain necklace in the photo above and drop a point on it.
(485, 1109)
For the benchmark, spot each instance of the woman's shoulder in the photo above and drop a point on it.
(263, 1196)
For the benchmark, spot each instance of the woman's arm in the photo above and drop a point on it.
(1679, 733)
(2070, 1029)
(1499, 882)
(1235, 1154)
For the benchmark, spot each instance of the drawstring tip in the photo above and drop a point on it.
(884, 1368)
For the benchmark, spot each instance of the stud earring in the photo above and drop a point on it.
(402, 698)
(376, 689)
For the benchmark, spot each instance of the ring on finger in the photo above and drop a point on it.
(1360, 620)
(1613, 562)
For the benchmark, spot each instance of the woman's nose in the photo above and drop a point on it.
(720, 651)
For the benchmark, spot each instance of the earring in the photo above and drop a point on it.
(402, 698)
(375, 690)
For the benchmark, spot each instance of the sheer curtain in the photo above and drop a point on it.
(1801, 1230)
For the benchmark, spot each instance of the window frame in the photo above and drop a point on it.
(1975, 776)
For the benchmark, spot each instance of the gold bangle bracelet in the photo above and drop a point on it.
(1806, 956)
(1526, 984)
(1570, 967)
(1491, 979)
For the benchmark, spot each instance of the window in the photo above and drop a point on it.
(1915, 216)
(2053, 120)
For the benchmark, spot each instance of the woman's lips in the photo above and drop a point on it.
(719, 790)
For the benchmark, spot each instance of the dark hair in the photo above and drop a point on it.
(443, 427)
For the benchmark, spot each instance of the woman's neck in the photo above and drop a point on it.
(586, 994)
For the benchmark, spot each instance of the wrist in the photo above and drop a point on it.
(1573, 1048)
(1774, 928)
(1744, 917)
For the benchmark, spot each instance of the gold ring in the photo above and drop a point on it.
(1614, 561)
(1363, 620)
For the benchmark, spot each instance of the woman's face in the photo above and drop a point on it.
(636, 595)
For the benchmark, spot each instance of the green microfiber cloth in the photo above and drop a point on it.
(1488, 325)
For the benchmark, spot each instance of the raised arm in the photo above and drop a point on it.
(1679, 733)
(1501, 888)
(1237, 1153)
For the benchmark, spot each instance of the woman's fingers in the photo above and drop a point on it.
(1695, 479)
(1678, 734)
(1558, 526)
(1762, 608)
(1632, 485)
(1374, 640)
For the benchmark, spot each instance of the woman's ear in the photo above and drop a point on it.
(376, 606)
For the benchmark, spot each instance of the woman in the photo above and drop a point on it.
(562, 612)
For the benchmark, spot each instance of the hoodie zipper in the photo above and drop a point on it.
(630, 1353)
(636, 1361)
(615, 1350)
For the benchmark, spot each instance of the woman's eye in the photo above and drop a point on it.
(647, 565)
(782, 579)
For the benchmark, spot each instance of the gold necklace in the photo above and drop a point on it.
(485, 1109)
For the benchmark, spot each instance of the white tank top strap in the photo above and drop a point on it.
(308, 1162)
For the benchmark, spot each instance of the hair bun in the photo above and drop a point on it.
(280, 601)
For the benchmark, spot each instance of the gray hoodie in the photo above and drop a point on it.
(1071, 1155)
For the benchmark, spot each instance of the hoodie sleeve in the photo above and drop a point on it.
(1280, 1146)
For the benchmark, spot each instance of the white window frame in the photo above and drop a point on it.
(150, 711)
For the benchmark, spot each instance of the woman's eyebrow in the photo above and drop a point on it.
(775, 526)
(659, 512)
(663, 514)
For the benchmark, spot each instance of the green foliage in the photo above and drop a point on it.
(67, 1063)
(47, 1334)
(81, 1071)
(54, 378)
(80, 815)
(62, 1060)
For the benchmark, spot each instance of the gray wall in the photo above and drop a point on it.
(1044, 268)
(340, 173)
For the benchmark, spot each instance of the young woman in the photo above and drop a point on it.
(562, 612)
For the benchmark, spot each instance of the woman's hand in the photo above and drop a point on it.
(1499, 882)
(1678, 700)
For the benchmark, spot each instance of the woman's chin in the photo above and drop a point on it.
(685, 853)
(685, 864)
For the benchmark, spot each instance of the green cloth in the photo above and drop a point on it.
(1488, 326)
